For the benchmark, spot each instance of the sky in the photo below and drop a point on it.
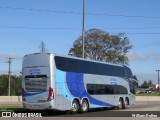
(25, 23)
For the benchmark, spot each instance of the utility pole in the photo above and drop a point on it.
(9, 74)
(42, 47)
(83, 32)
(158, 76)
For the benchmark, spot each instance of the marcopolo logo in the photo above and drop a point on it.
(20, 115)
(35, 71)
(113, 81)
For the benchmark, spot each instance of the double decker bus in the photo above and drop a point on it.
(52, 81)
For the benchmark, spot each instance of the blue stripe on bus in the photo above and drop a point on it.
(60, 81)
(95, 106)
(35, 95)
(76, 87)
(26, 94)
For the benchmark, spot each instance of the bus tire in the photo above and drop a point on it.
(84, 106)
(120, 104)
(75, 106)
(126, 103)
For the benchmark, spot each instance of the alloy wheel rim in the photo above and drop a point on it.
(74, 107)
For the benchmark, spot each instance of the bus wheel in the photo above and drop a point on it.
(75, 106)
(84, 106)
(126, 103)
(120, 104)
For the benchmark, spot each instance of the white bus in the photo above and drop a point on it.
(52, 81)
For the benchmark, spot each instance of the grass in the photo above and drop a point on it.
(148, 94)
(10, 108)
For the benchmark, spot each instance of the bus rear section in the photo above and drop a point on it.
(37, 83)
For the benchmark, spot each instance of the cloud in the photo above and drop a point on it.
(155, 55)
(33, 41)
(133, 56)
(14, 72)
(4, 72)
(12, 55)
(137, 56)
(2, 57)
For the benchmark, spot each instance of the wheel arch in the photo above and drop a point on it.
(85, 98)
(127, 98)
(77, 99)
(121, 98)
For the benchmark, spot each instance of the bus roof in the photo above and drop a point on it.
(95, 61)
(78, 58)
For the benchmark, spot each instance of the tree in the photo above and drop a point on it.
(144, 84)
(135, 81)
(150, 83)
(101, 46)
(3, 85)
(16, 85)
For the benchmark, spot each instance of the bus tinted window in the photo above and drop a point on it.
(128, 71)
(81, 66)
(101, 89)
(35, 76)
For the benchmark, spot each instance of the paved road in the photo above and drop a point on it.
(142, 110)
(144, 106)
(80, 118)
